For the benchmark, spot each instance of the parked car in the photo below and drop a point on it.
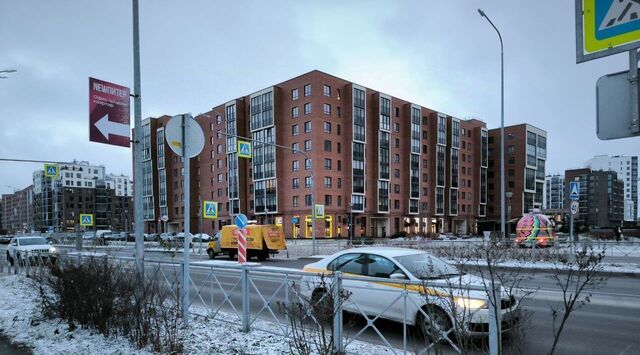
(88, 235)
(201, 237)
(445, 306)
(167, 237)
(5, 239)
(22, 247)
(151, 237)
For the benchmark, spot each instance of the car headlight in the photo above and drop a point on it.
(470, 303)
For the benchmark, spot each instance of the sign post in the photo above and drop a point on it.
(603, 28)
(574, 210)
(186, 138)
(241, 234)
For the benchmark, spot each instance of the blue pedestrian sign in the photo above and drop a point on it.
(244, 149)
(241, 220)
(295, 220)
(51, 170)
(209, 209)
(86, 220)
(574, 190)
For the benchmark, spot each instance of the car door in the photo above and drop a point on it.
(383, 296)
(352, 267)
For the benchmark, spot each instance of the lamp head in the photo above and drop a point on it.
(481, 13)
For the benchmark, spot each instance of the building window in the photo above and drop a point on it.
(425, 163)
(307, 200)
(218, 119)
(326, 89)
(295, 201)
(307, 108)
(326, 109)
(397, 111)
(396, 158)
(328, 200)
(327, 164)
(307, 145)
(326, 127)
(295, 165)
(396, 204)
(396, 188)
(327, 145)
(397, 143)
(338, 130)
(307, 164)
(295, 112)
(294, 130)
(339, 165)
(396, 173)
(339, 183)
(294, 94)
(511, 149)
(338, 148)
(307, 127)
(295, 146)
(327, 181)
(396, 127)
(307, 90)
(295, 183)
(307, 181)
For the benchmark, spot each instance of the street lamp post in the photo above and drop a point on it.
(509, 195)
(502, 193)
(7, 72)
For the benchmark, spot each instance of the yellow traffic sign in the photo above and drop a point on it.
(244, 149)
(51, 170)
(606, 27)
(86, 219)
(209, 209)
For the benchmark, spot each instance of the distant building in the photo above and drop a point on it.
(82, 188)
(17, 211)
(601, 201)
(525, 159)
(627, 169)
(554, 192)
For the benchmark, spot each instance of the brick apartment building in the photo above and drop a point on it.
(391, 164)
(17, 211)
(601, 200)
(525, 154)
(82, 188)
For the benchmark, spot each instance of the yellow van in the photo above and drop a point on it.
(262, 240)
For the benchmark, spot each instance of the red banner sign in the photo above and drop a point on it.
(109, 113)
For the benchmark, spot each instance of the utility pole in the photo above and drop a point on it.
(137, 145)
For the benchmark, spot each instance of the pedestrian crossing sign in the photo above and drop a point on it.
(209, 209)
(574, 190)
(606, 27)
(86, 220)
(51, 170)
(319, 211)
(244, 149)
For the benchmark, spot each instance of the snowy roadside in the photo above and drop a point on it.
(22, 322)
(622, 268)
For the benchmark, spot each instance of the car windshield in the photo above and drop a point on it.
(32, 241)
(425, 266)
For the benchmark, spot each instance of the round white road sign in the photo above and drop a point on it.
(193, 134)
(574, 207)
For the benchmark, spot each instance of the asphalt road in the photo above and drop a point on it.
(610, 324)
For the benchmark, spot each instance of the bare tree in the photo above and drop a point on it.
(575, 278)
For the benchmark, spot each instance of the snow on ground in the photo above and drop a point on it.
(633, 268)
(21, 321)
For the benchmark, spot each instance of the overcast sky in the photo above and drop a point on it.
(198, 54)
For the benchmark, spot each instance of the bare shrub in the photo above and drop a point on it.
(98, 294)
(311, 318)
(575, 278)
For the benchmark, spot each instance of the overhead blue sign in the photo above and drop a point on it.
(574, 190)
(241, 220)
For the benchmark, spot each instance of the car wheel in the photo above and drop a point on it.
(232, 255)
(263, 255)
(436, 325)
(212, 255)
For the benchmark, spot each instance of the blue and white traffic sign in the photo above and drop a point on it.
(86, 219)
(241, 220)
(244, 149)
(295, 220)
(51, 170)
(209, 209)
(574, 190)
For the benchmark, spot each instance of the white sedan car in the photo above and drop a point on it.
(26, 246)
(443, 292)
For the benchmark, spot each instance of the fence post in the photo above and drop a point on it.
(245, 299)
(494, 318)
(27, 262)
(337, 313)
